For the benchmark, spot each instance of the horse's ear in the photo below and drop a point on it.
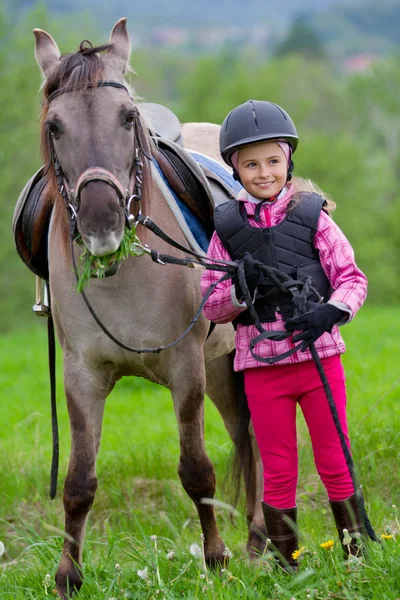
(121, 45)
(46, 51)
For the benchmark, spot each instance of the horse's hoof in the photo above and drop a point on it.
(218, 558)
(256, 543)
(68, 582)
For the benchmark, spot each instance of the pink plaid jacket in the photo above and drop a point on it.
(337, 260)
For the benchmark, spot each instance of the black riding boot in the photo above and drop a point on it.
(281, 527)
(347, 516)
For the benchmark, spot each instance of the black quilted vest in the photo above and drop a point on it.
(287, 247)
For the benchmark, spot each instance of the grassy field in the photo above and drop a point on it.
(140, 495)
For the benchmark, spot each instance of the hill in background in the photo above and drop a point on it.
(344, 28)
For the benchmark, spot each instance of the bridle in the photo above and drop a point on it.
(126, 196)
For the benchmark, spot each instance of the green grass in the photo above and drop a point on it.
(140, 494)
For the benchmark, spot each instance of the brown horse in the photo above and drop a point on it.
(91, 133)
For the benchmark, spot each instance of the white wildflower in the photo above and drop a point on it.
(346, 538)
(2, 548)
(153, 538)
(202, 576)
(227, 552)
(171, 555)
(143, 573)
(195, 550)
(117, 567)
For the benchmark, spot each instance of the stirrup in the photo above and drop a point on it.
(41, 308)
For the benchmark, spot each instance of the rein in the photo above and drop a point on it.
(298, 289)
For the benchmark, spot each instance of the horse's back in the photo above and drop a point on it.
(203, 137)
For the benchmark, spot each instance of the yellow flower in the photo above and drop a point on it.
(297, 553)
(386, 536)
(328, 545)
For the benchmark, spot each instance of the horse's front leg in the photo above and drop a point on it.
(195, 469)
(86, 391)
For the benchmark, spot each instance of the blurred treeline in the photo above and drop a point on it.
(349, 127)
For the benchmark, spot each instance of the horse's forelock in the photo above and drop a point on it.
(78, 70)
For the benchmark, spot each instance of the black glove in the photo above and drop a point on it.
(318, 319)
(252, 274)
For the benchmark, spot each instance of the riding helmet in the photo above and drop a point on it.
(255, 121)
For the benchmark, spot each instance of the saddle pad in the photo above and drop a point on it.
(194, 224)
(218, 169)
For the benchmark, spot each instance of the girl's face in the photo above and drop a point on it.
(262, 169)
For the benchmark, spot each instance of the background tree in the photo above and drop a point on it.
(301, 40)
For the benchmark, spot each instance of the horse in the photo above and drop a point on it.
(92, 134)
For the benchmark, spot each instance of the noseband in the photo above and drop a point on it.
(72, 197)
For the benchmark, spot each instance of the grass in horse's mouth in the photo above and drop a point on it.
(96, 266)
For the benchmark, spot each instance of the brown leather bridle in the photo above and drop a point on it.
(126, 196)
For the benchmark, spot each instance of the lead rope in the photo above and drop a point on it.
(283, 283)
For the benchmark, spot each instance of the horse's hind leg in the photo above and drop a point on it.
(86, 391)
(225, 388)
(195, 469)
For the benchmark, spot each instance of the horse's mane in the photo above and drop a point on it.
(80, 71)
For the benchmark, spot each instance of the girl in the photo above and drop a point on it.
(284, 223)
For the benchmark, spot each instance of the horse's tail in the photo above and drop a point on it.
(243, 459)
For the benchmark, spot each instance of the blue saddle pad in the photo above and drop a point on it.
(194, 224)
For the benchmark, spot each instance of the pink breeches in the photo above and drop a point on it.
(273, 394)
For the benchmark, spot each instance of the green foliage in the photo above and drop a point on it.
(95, 266)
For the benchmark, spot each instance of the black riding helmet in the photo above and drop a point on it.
(255, 121)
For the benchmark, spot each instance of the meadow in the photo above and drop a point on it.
(143, 536)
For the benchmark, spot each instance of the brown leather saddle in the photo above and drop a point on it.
(198, 187)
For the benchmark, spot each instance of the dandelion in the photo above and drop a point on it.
(143, 573)
(118, 567)
(195, 550)
(153, 538)
(386, 536)
(202, 576)
(327, 545)
(297, 553)
(2, 548)
(227, 552)
(47, 582)
(346, 538)
(170, 555)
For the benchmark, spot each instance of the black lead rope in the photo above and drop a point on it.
(282, 282)
(192, 323)
(349, 461)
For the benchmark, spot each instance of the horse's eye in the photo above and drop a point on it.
(54, 130)
(129, 118)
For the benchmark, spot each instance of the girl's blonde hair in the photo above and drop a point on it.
(306, 185)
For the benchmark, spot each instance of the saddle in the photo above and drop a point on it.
(196, 185)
